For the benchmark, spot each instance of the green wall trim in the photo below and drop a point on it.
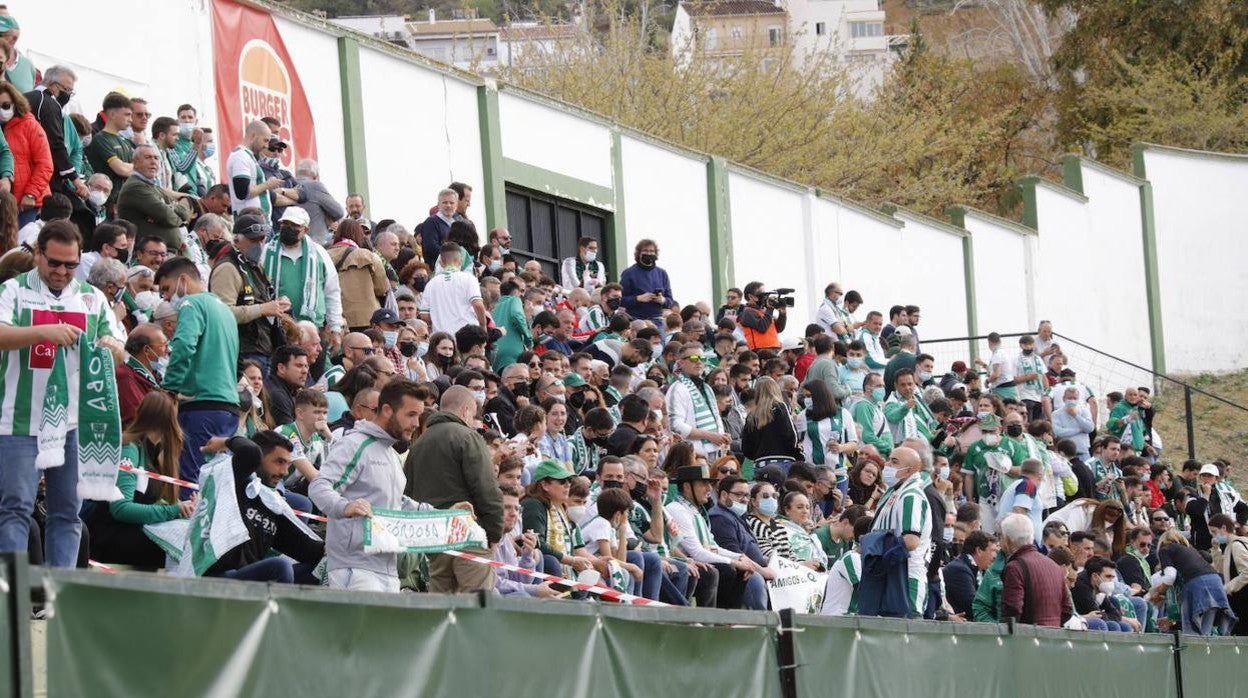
(1091, 164)
(558, 184)
(957, 214)
(1072, 172)
(617, 229)
(1031, 216)
(1152, 285)
(902, 214)
(719, 214)
(353, 116)
(492, 158)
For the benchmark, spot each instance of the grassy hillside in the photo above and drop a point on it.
(1221, 430)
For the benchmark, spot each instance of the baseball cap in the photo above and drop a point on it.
(791, 344)
(574, 380)
(989, 422)
(252, 227)
(550, 470)
(276, 143)
(7, 24)
(1210, 469)
(295, 215)
(384, 316)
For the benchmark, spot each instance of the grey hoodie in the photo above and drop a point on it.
(360, 465)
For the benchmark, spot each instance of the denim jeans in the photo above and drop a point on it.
(198, 426)
(652, 573)
(273, 569)
(674, 587)
(19, 481)
(27, 216)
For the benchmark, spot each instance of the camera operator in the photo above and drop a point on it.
(763, 318)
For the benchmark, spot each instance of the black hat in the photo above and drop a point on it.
(252, 227)
(384, 316)
(693, 473)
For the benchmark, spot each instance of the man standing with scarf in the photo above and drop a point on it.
(691, 406)
(57, 391)
(907, 414)
(302, 271)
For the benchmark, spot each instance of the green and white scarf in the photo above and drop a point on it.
(99, 424)
(584, 454)
(703, 404)
(312, 304)
(142, 370)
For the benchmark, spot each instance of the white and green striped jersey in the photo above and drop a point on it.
(905, 509)
(840, 596)
(1032, 389)
(314, 449)
(816, 436)
(26, 302)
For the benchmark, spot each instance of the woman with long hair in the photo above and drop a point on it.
(545, 512)
(1203, 605)
(646, 447)
(828, 433)
(442, 355)
(761, 520)
(259, 417)
(769, 437)
(32, 156)
(361, 274)
(864, 484)
(795, 519)
(554, 444)
(152, 443)
(1096, 516)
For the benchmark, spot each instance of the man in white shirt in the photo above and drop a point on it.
(1000, 370)
(691, 406)
(248, 188)
(452, 298)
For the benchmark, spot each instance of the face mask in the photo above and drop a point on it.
(769, 507)
(390, 336)
(925, 376)
(479, 396)
(5, 115)
(613, 485)
(855, 362)
(648, 260)
(210, 150)
(1106, 587)
(504, 251)
(992, 440)
(590, 257)
(126, 133)
(982, 415)
(739, 508)
(889, 476)
(123, 255)
(408, 349)
(638, 492)
(631, 363)
(419, 284)
(559, 398)
(63, 98)
(944, 472)
(1014, 430)
(576, 512)
(185, 130)
(178, 296)
(521, 390)
(576, 400)
(808, 402)
(161, 365)
(613, 303)
(1220, 539)
(495, 265)
(97, 198)
(290, 236)
(271, 162)
(253, 253)
(877, 394)
(955, 549)
(422, 348)
(1027, 352)
(948, 534)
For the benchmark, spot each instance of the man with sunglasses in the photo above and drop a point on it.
(241, 284)
(43, 315)
(691, 406)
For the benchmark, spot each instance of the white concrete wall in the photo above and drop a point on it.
(315, 55)
(555, 140)
(419, 138)
(1001, 279)
(682, 231)
(769, 241)
(932, 256)
(847, 239)
(1202, 236)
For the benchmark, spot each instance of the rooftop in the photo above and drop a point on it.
(452, 26)
(722, 8)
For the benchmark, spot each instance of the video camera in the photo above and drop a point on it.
(779, 298)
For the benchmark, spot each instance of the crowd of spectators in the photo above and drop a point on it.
(595, 427)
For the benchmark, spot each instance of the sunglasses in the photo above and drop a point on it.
(696, 358)
(727, 471)
(1161, 519)
(57, 263)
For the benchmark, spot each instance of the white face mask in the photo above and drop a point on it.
(992, 440)
(479, 396)
(1106, 587)
(97, 198)
(591, 256)
(889, 476)
(5, 115)
(575, 513)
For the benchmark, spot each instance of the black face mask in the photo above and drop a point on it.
(1014, 430)
(63, 98)
(122, 255)
(290, 236)
(648, 260)
(213, 248)
(576, 400)
(419, 284)
(955, 549)
(631, 363)
(408, 349)
(638, 492)
(613, 485)
(613, 303)
(521, 390)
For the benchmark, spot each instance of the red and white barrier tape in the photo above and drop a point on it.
(604, 592)
(192, 486)
(101, 567)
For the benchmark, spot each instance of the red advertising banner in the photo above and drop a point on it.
(255, 78)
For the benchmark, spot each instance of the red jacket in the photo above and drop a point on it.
(1038, 595)
(32, 158)
(131, 387)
